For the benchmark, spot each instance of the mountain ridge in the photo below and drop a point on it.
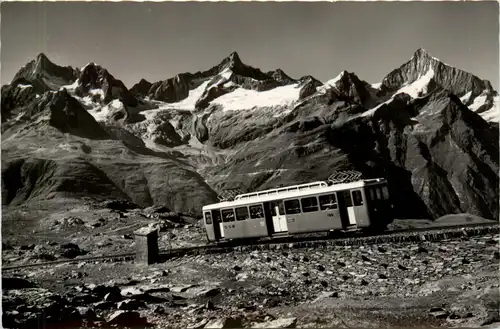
(234, 125)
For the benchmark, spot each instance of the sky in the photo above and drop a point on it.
(158, 40)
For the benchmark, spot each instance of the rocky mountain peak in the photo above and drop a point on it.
(43, 64)
(437, 154)
(234, 56)
(348, 87)
(92, 75)
(233, 61)
(280, 76)
(141, 88)
(422, 53)
(42, 59)
(46, 75)
(423, 69)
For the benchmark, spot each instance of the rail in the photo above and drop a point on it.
(279, 190)
(295, 242)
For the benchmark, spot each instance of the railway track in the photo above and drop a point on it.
(413, 235)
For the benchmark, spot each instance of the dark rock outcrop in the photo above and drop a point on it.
(66, 114)
(95, 77)
(141, 88)
(308, 85)
(15, 96)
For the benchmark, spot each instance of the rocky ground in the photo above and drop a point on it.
(451, 283)
(65, 231)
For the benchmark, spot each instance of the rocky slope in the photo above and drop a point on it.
(428, 127)
(451, 283)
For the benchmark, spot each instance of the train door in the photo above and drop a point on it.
(218, 227)
(269, 218)
(346, 208)
(278, 215)
(359, 209)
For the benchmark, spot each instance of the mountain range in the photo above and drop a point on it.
(430, 128)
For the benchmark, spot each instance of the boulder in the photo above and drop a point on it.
(225, 322)
(16, 283)
(126, 318)
(130, 305)
(278, 323)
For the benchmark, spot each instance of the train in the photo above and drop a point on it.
(321, 206)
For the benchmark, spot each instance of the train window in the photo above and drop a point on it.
(385, 192)
(309, 204)
(357, 198)
(242, 213)
(256, 212)
(379, 193)
(208, 218)
(228, 215)
(280, 206)
(347, 198)
(327, 202)
(292, 207)
(372, 194)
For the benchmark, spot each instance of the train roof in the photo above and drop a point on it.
(291, 192)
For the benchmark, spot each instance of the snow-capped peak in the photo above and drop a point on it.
(331, 83)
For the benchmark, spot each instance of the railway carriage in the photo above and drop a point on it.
(297, 209)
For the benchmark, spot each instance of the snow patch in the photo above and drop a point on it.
(330, 83)
(24, 86)
(418, 86)
(478, 102)
(229, 84)
(370, 112)
(87, 101)
(150, 114)
(189, 102)
(493, 114)
(413, 89)
(101, 114)
(376, 85)
(71, 87)
(97, 92)
(465, 98)
(244, 99)
(226, 74)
